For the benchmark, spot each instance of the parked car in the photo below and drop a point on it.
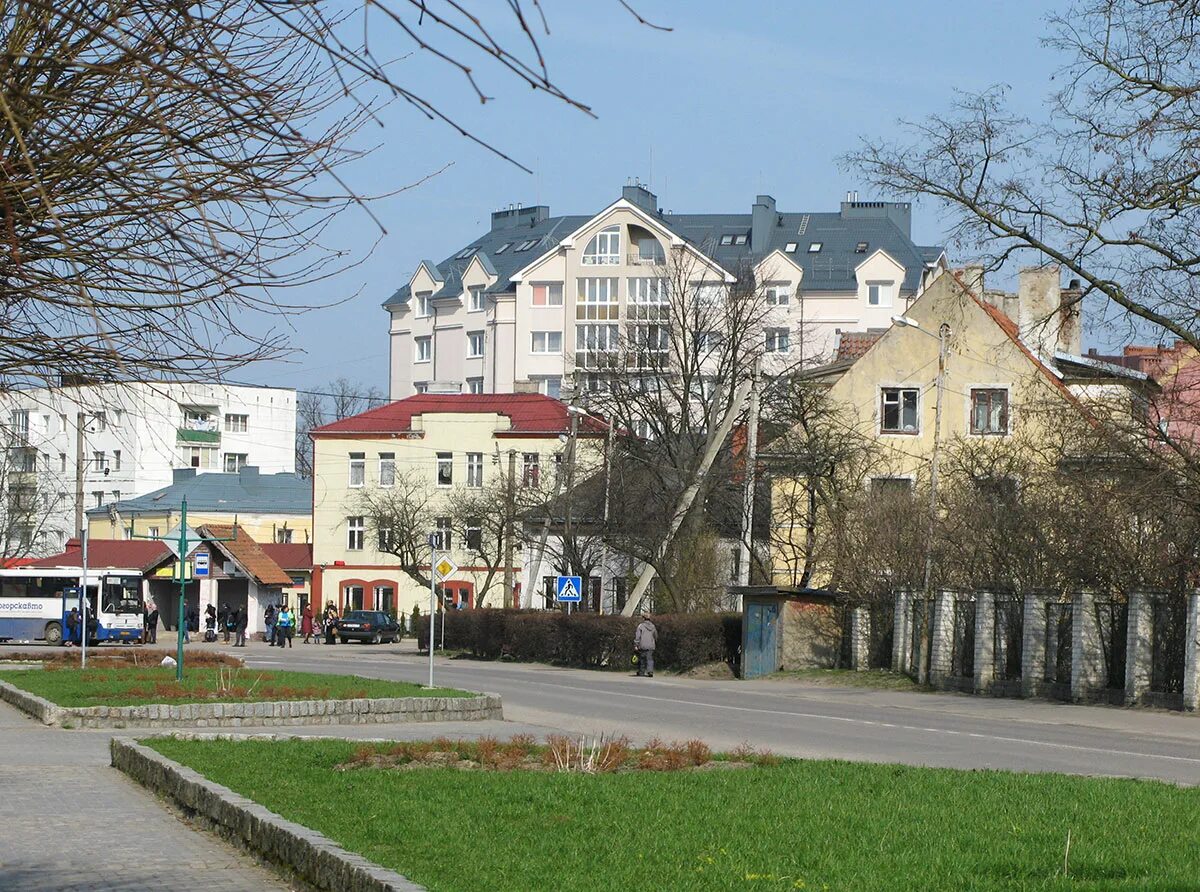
(368, 626)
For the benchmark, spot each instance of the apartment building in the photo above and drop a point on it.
(69, 449)
(538, 300)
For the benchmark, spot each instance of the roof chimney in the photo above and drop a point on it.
(639, 195)
(1048, 317)
(762, 223)
(515, 217)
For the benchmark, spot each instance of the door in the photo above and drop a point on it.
(761, 652)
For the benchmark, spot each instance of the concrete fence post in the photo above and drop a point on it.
(901, 631)
(1033, 645)
(860, 639)
(1191, 655)
(1087, 654)
(985, 641)
(1138, 647)
(942, 650)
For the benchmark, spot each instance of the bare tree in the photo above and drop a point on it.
(30, 499)
(398, 522)
(336, 400)
(480, 518)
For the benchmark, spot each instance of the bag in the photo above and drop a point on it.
(210, 634)
(635, 658)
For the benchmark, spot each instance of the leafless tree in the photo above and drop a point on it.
(398, 521)
(480, 518)
(336, 400)
(30, 498)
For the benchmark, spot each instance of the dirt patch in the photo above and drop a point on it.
(715, 671)
(141, 658)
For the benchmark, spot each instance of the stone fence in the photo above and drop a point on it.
(1143, 651)
(249, 715)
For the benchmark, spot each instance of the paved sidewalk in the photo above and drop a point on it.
(71, 823)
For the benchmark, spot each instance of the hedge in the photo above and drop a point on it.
(585, 640)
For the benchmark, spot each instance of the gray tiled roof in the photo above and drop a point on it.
(829, 270)
(246, 491)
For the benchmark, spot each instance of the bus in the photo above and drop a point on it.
(35, 601)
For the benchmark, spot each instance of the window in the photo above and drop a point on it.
(707, 340)
(385, 598)
(116, 495)
(778, 340)
(649, 318)
(605, 248)
(739, 239)
(18, 420)
(504, 247)
(424, 304)
(998, 490)
(790, 247)
(116, 459)
(421, 387)
(597, 299)
(474, 344)
(708, 294)
(424, 349)
(726, 240)
(525, 246)
(202, 457)
(98, 462)
(153, 532)
(898, 411)
(62, 463)
(235, 461)
(989, 410)
(445, 469)
(474, 385)
(100, 420)
(778, 296)
(358, 468)
(814, 247)
(236, 424)
(530, 469)
(387, 469)
(199, 420)
(891, 487)
(475, 469)
(464, 253)
(550, 385)
(387, 539)
(283, 536)
(861, 248)
(98, 497)
(356, 531)
(594, 344)
(354, 597)
(474, 534)
(475, 299)
(444, 534)
(549, 294)
(546, 342)
(879, 294)
(26, 461)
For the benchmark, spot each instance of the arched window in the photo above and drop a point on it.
(604, 248)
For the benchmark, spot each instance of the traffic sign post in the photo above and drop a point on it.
(200, 564)
(569, 589)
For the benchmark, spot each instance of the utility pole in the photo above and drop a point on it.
(79, 465)
(433, 542)
(923, 663)
(569, 458)
(510, 524)
(745, 552)
(83, 600)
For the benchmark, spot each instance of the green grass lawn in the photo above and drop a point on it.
(797, 825)
(873, 678)
(201, 684)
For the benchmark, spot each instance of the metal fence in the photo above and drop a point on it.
(1058, 647)
(962, 655)
(1112, 621)
(1167, 643)
(922, 628)
(1007, 642)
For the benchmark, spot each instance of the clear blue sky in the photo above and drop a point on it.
(740, 98)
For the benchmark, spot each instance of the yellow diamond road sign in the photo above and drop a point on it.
(445, 568)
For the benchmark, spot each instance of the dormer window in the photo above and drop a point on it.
(605, 248)
(423, 304)
(815, 247)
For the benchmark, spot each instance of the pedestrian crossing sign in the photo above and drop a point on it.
(569, 589)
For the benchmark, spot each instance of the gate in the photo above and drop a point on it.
(1007, 641)
(882, 629)
(922, 626)
(1112, 621)
(962, 655)
(1167, 643)
(1058, 648)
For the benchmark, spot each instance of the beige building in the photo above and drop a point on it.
(539, 298)
(385, 480)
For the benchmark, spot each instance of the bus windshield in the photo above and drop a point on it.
(122, 594)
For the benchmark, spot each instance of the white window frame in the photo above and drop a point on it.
(444, 461)
(475, 385)
(604, 248)
(531, 470)
(778, 296)
(387, 469)
(423, 349)
(777, 340)
(882, 291)
(475, 300)
(552, 293)
(475, 470)
(545, 342)
(900, 390)
(548, 385)
(356, 533)
(424, 305)
(475, 345)
(236, 423)
(357, 470)
(240, 460)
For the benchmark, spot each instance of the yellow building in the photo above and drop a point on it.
(385, 480)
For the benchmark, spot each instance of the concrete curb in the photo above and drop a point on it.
(250, 715)
(308, 854)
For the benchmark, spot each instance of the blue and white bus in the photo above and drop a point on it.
(35, 601)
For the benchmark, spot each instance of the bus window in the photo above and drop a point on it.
(122, 594)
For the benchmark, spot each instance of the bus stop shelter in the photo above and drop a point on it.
(788, 628)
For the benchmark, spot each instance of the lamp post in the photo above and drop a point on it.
(943, 337)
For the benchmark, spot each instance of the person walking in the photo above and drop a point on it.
(331, 618)
(645, 637)
(306, 622)
(72, 626)
(285, 625)
(152, 625)
(241, 617)
(269, 624)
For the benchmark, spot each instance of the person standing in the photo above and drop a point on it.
(72, 626)
(306, 622)
(240, 619)
(285, 625)
(645, 637)
(225, 618)
(152, 625)
(269, 624)
(331, 619)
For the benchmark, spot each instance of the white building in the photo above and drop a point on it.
(537, 297)
(74, 448)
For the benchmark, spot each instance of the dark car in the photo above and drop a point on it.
(372, 626)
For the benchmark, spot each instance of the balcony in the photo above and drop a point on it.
(194, 437)
(638, 259)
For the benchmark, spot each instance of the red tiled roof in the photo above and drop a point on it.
(853, 344)
(290, 556)
(120, 554)
(530, 413)
(246, 552)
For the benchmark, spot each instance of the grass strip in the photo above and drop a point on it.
(798, 825)
(138, 687)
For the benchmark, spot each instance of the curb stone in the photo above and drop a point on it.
(482, 707)
(315, 858)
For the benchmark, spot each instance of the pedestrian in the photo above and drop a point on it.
(241, 617)
(224, 618)
(152, 625)
(644, 639)
(285, 625)
(269, 623)
(306, 622)
(331, 618)
(72, 626)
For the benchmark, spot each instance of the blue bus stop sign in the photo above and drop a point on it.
(569, 589)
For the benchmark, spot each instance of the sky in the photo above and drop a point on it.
(738, 99)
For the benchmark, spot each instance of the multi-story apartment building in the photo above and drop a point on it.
(74, 448)
(536, 298)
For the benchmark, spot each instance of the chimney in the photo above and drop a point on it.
(973, 277)
(516, 217)
(1039, 304)
(762, 222)
(248, 473)
(899, 212)
(178, 475)
(639, 195)
(1070, 319)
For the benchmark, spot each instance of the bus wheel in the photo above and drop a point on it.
(53, 634)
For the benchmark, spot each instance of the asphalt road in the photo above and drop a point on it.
(800, 719)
